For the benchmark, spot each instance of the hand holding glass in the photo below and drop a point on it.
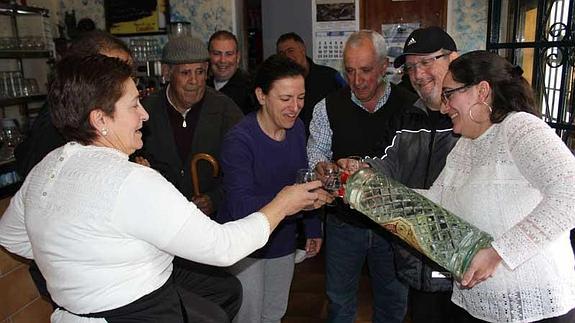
(305, 175)
(351, 164)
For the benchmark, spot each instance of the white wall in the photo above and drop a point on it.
(280, 17)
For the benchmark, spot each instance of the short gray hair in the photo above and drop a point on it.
(376, 39)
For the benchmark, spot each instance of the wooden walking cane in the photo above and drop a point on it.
(194, 169)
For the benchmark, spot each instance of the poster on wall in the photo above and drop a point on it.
(126, 17)
(333, 22)
(395, 36)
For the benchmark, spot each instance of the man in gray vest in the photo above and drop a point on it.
(355, 120)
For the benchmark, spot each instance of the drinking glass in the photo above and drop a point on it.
(305, 175)
(11, 137)
(33, 86)
(331, 180)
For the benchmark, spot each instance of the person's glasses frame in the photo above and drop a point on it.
(446, 94)
(424, 63)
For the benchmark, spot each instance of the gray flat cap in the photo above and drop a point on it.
(185, 50)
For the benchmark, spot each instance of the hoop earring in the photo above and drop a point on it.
(104, 132)
(471, 113)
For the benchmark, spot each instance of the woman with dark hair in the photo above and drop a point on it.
(512, 177)
(260, 155)
(104, 230)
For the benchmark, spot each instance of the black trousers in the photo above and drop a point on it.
(195, 293)
(210, 293)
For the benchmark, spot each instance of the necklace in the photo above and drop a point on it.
(184, 114)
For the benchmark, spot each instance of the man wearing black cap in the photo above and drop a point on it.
(416, 157)
(188, 118)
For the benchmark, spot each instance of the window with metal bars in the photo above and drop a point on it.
(539, 36)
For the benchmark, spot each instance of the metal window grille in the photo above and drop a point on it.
(540, 36)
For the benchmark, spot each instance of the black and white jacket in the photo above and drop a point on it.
(415, 158)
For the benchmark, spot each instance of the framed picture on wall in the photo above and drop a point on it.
(130, 18)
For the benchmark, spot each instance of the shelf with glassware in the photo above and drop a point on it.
(147, 52)
(26, 51)
(17, 53)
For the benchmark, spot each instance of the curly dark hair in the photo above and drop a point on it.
(510, 90)
(81, 85)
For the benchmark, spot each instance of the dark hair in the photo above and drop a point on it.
(289, 36)
(83, 84)
(85, 25)
(510, 91)
(222, 34)
(95, 42)
(274, 68)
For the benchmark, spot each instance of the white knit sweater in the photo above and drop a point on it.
(104, 230)
(516, 182)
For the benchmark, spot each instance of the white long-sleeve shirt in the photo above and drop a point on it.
(516, 182)
(104, 231)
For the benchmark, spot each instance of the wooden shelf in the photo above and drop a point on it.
(25, 54)
(20, 100)
(10, 9)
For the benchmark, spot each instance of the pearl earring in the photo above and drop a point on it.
(104, 132)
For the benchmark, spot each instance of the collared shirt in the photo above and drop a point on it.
(184, 125)
(218, 85)
(319, 141)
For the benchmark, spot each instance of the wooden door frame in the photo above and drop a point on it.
(363, 16)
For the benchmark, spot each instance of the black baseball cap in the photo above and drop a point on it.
(424, 41)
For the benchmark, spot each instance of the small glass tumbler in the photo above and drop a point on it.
(305, 175)
(331, 181)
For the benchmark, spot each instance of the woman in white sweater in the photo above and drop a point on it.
(511, 176)
(104, 230)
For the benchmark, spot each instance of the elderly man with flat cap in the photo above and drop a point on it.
(415, 158)
(188, 118)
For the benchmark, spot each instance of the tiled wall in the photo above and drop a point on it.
(467, 23)
(206, 16)
(19, 299)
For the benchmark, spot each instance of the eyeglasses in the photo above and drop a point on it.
(424, 63)
(446, 94)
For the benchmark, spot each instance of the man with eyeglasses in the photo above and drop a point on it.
(416, 157)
